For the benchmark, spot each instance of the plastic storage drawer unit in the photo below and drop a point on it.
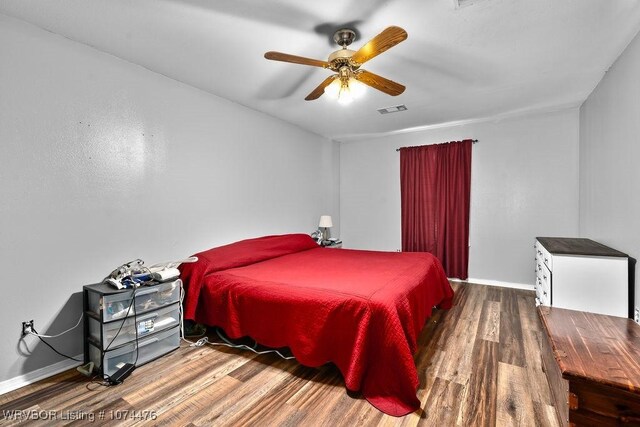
(114, 334)
(148, 349)
(114, 318)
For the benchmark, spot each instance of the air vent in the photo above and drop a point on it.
(392, 109)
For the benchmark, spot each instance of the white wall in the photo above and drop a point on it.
(609, 155)
(524, 183)
(102, 161)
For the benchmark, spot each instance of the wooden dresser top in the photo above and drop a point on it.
(595, 347)
(577, 246)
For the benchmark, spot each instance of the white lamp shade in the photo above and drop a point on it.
(333, 90)
(357, 88)
(325, 221)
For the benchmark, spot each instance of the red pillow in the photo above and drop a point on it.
(250, 251)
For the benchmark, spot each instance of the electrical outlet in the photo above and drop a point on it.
(636, 317)
(27, 327)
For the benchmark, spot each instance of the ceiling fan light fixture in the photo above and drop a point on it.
(333, 90)
(345, 97)
(358, 89)
(345, 91)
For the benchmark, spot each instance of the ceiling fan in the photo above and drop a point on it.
(347, 82)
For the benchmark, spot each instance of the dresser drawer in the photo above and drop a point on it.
(114, 334)
(543, 256)
(547, 259)
(538, 288)
(543, 284)
(538, 249)
(113, 306)
(546, 286)
(148, 349)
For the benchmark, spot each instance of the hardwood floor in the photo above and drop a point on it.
(479, 364)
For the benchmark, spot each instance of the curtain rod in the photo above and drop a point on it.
(473, 141)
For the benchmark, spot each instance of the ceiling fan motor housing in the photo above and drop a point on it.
(344, 37)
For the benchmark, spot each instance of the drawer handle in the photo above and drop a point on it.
(145, 343)
(546, 260)
(147, 291)
(545, 293)
(147, 317)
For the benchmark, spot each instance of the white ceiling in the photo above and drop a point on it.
(492, 58)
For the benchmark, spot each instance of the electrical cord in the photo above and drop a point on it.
(135, 325)
(35, 333)
(41, 336)
(182, 312)
(124, 319)
(61, 333)
(226, 343)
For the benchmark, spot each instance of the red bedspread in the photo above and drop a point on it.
(361, 310)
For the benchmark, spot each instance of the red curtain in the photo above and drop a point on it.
(435, 189)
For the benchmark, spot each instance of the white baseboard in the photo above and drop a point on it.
(39, 374)
(496, 283)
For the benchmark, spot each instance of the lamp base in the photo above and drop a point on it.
(326, 233)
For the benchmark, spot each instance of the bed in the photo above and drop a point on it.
(361, 310)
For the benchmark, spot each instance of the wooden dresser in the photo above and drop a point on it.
(592, 362)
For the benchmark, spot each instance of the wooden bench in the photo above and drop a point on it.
(592, 362)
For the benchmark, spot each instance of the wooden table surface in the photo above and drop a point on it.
(578, 246)
(603, 349)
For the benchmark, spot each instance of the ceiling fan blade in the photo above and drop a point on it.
(384, 85)
(387, 39)
(317, 92)
(285, 57)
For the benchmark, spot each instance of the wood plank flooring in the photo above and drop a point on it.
(479, 364)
